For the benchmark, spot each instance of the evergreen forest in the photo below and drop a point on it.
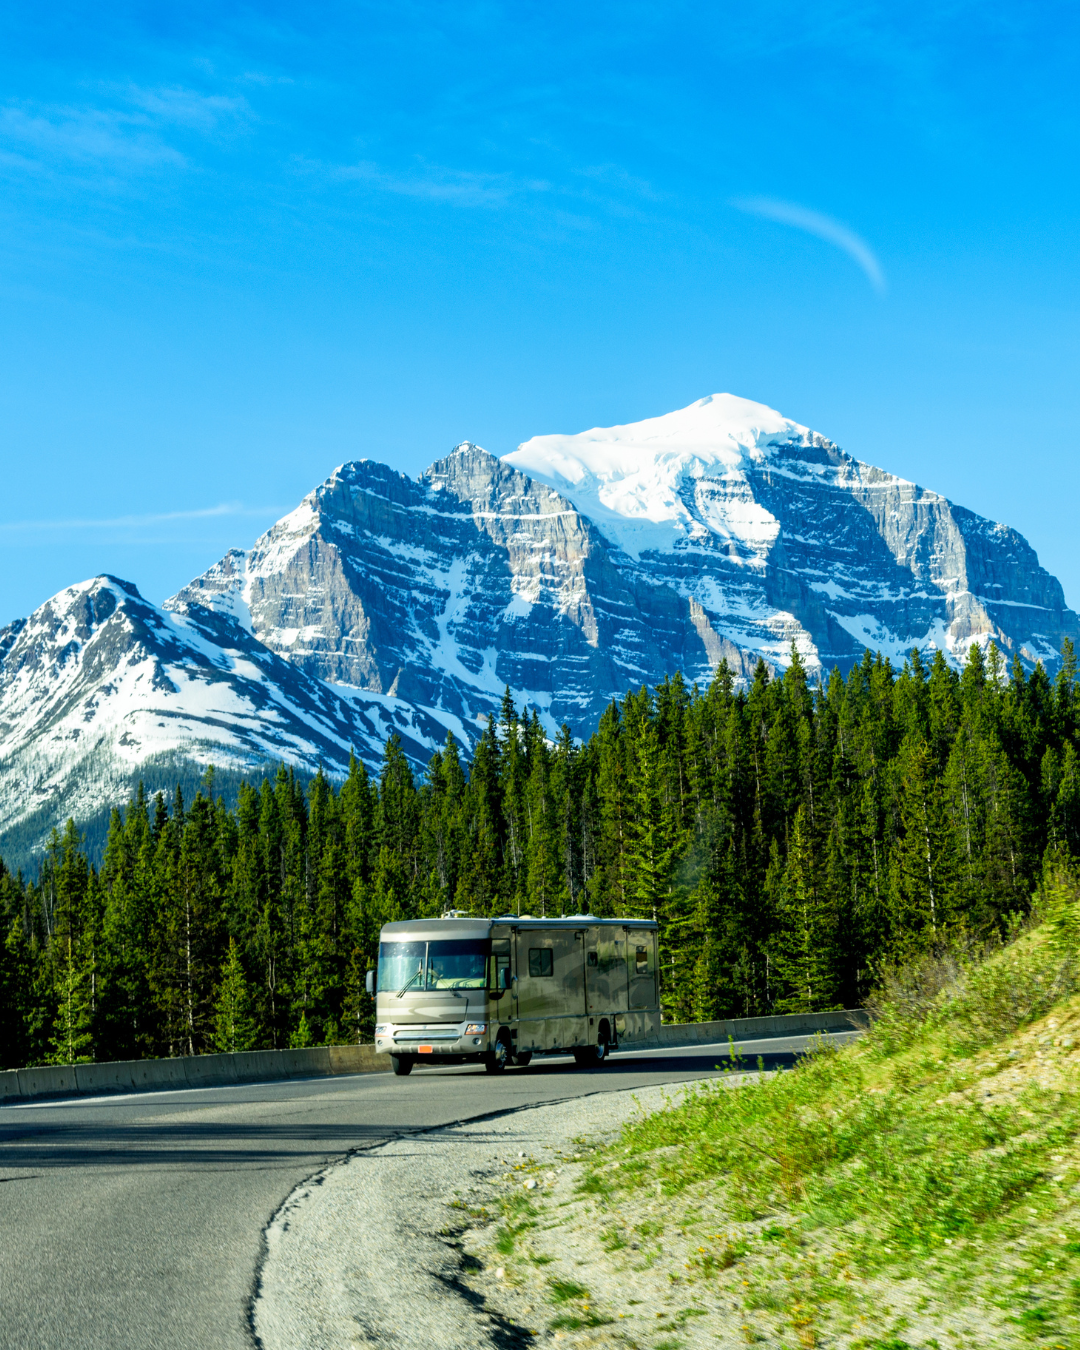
(790, 839)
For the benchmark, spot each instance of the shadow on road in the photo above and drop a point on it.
(693, 1065)
(199, 1146)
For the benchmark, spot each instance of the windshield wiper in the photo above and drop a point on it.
(409, 981)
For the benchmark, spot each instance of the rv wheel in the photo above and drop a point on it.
(496, 1060)
(594, 1055)
(402, 1064)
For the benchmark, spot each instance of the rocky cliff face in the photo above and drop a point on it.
(570, 570)
(444, 591)
(581, 565)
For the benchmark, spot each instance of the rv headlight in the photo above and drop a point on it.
(380, 1031)
(476, 1029)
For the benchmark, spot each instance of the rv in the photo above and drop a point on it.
(498, 991)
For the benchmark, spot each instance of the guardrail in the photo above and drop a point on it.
(146, 1075)
(260, 1066)
(753, 1028)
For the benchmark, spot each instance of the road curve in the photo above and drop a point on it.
(136, 1222)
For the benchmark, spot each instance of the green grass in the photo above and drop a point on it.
(564, 1291)
(573, 1321)
(889, 1152)
(519, 1216)
(568, 1291)
(816, 1142)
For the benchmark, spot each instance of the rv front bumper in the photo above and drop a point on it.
(446, 1038)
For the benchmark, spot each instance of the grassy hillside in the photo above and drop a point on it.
(918, 1188)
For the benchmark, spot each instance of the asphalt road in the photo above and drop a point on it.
(138, 1221)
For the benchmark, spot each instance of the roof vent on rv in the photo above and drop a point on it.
(457, 914)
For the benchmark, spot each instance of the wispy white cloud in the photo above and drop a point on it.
(822, 227)
(85, 135)
(435, 182)
(134, 522)
(133, 132)
(616, 177)
(177, 106)
(604, 185)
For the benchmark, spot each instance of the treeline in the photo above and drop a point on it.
(788, 838)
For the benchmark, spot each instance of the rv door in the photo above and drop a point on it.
(605, 970)
(641, 967)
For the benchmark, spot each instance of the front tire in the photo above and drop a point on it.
(403, 1065)
(496, 1060)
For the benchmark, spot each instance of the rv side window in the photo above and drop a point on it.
(541, 962)
(642, 961)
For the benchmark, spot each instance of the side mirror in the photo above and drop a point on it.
(369, 983)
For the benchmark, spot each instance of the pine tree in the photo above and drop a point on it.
(542, 831)
(302, 1036)
(806, 949)
(234, 1027)
(922, 861)
(648, 828)
(786, 837)
(72, 1039)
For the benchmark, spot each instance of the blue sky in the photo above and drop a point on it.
(240, 244)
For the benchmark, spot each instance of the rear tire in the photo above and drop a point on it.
(521, 1059)
(496, 1060)
(403, 1065)
(593, 1056)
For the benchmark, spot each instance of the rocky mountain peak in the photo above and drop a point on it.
(570, 570)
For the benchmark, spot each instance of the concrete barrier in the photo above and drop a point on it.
(210, 1070)
(255, 1066)
(754, 1028)
(114, 1077)
(310, 1063)
(148, 1074)
(357, 1059)
(50, 1080)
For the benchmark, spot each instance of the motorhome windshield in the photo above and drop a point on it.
(401, 963)
(459, 963)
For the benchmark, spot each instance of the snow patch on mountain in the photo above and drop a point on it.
(98, 681)
(639, 482)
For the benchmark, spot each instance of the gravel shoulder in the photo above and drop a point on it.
(503, 1233)
(397, 1245)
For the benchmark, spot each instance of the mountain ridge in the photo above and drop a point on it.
(569, 570)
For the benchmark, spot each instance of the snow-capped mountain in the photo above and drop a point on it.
(98, 683)
(445, 590)
(573, 568)
(778, 534)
